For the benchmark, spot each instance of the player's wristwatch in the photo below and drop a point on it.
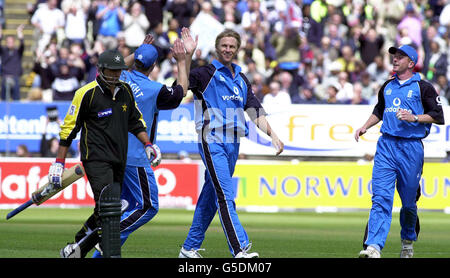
(416, 118)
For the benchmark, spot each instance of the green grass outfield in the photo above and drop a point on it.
(42, 232)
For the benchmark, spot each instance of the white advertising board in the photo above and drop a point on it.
(328, 130)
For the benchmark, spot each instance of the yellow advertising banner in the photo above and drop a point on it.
(328, 184)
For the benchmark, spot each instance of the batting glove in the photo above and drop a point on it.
(153, 154)
(55, 174)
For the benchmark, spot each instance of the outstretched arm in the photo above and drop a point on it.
(20, 31)
(180, 56)
(189, 45)
(129, 60)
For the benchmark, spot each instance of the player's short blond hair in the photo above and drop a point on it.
(228, 33)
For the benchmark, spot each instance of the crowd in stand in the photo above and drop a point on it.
(293, 51)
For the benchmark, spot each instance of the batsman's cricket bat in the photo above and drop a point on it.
(45, 192)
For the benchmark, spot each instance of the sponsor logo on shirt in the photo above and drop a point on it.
(396, 105)
(105, 113)
(227, 98)
(396, 102)
(236, 96)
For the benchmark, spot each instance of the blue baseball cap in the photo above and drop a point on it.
(406, 50)
(146, 54)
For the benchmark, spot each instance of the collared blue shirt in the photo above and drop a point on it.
(221, 100)
(417, 97)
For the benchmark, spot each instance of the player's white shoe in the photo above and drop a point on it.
(244, 254)
(407, 249)
(370, 252)
(189, 253)
(71, 251)
(98, 248)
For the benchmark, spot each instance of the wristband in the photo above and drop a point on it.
(60, 160)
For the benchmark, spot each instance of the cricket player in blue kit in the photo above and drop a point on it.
(222, 93)
(408, 106)
(139, 188)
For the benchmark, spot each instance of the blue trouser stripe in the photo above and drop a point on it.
(135, 215)
(217, 194)
(224, 210)
(140, 190)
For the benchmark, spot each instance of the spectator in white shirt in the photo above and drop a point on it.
(75, 28)
(135, 26)
(276, 99)
(345, 88)
(47, 19)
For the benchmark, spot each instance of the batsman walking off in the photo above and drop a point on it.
(105, 110)
(139, 186)
(408, 106)
(222, 93)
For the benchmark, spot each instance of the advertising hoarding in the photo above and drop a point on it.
(19, 178)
